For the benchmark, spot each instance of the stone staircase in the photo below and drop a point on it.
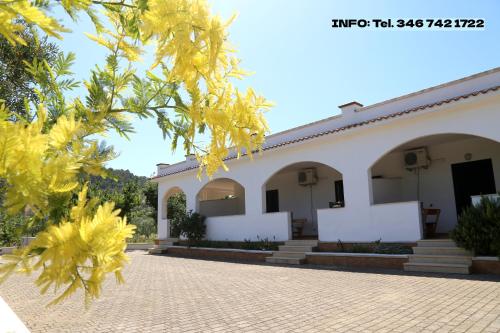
(439, 256)
(293, 252)
(163, 245)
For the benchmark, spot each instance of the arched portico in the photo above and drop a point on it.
(301, 189)
(172, 199)
(221, 197)
(449, 169)
(166, 209)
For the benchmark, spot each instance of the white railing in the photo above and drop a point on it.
(476, 199)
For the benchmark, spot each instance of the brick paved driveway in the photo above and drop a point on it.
(167, 294)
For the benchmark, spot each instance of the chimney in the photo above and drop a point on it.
(190, 157)
(160, 167)
(349, 109)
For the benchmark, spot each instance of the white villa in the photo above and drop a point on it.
(371, 172)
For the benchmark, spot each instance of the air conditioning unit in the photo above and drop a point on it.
(308, 177)
(416, 158)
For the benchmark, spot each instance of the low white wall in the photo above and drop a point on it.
(476, 199)
(337, 223)
(7, 250)
(395, 222)
(139, 246)
(275, 226)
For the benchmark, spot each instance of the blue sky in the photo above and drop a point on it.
(308, 68)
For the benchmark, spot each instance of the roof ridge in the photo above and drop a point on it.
(347, 127)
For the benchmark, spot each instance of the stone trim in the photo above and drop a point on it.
(480, 265)
(485, 265)
(486, 258)
(139, 246)
(213, 253)
(348, 254)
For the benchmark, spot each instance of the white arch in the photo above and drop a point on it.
(220, 197)
(286, 164)
(433, 186)
(164, 202)
(390, 147)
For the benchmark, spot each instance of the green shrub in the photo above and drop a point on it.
(263, 244)
(190, 225)
(478, 228)
(9, 232)
(361, 248)
(392, 248)
(176, 204)
(374, 247)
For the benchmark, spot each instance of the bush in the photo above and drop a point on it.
(12, 228)
(190, 225)
(478, 228)
(176, 204)
(9, 232)
(175, 223)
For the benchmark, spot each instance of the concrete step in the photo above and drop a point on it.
(285, 254)
(436, 268)
(440, 259)
(289, 248)
(288, 261)
(157, 250)
(163, 243)
(436, 243)
(428, 250)
(302, 242)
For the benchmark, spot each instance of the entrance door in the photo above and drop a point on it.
(472, 178)
(272, 201)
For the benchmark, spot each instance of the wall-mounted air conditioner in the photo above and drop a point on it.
(416, 158)
(308, 177)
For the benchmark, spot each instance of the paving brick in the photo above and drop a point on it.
(169, 294)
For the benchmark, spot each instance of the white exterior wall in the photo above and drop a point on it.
(352, 152)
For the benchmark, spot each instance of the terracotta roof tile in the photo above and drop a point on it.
(348, 127)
